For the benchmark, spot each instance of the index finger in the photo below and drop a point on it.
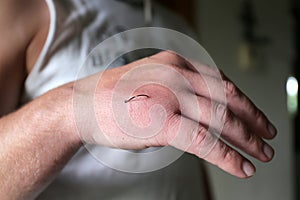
(246, 110)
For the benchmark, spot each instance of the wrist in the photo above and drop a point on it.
(38, 140)
(53, 113)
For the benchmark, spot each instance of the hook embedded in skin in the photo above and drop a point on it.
(139, 95)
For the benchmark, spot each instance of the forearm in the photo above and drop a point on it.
(35, 143)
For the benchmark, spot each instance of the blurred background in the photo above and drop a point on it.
(257, 44)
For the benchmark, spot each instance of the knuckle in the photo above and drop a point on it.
(227, 154)
(223, 115)
(245, 130)
(173, 55)
(199, 144)
(171, 59)
(174, 66)
(248, 136)
(230, 88)
(166, 54)
(257, 114)
(252, 140)
(199, 137)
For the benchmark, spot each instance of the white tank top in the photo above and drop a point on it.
(76, 27)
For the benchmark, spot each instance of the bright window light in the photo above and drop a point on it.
(292, 86)
(292, 94)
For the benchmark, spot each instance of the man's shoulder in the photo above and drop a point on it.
(20, 18)
(20, 22)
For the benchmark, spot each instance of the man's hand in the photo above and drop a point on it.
(178, 106)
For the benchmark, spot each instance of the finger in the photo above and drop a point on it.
(244, 108)
(195, 139)
(225, 92)
(219, 118)
(221, 89)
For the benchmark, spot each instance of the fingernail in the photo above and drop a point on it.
(248, 168)
(268, 151)
(272, 130)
